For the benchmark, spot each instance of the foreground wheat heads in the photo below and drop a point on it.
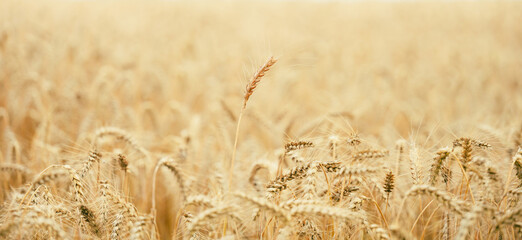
(330, 189)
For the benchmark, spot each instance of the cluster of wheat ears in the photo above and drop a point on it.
(93, 144)
(312, 194)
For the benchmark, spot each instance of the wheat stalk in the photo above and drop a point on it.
(250, 87)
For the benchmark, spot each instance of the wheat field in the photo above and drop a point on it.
(260, 120)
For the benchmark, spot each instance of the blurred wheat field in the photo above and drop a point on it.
(379, 120)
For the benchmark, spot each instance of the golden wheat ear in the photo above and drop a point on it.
(388, 185)
(249, 90)
(291, 146)
(251, 86)
(90, 218)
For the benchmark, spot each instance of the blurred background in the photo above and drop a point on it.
(387, 64)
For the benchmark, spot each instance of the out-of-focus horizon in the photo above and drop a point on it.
(339, 51)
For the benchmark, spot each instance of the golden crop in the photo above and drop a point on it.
(372, 120)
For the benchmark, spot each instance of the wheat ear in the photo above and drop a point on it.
(509, 217)
(469, 219)
(335, 212)
(442, 155)
(122, 135)
(442, 196)
(265, 205)
(202, 218)
(250, 87)
(90, 218)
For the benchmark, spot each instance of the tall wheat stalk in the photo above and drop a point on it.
(250, 87)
